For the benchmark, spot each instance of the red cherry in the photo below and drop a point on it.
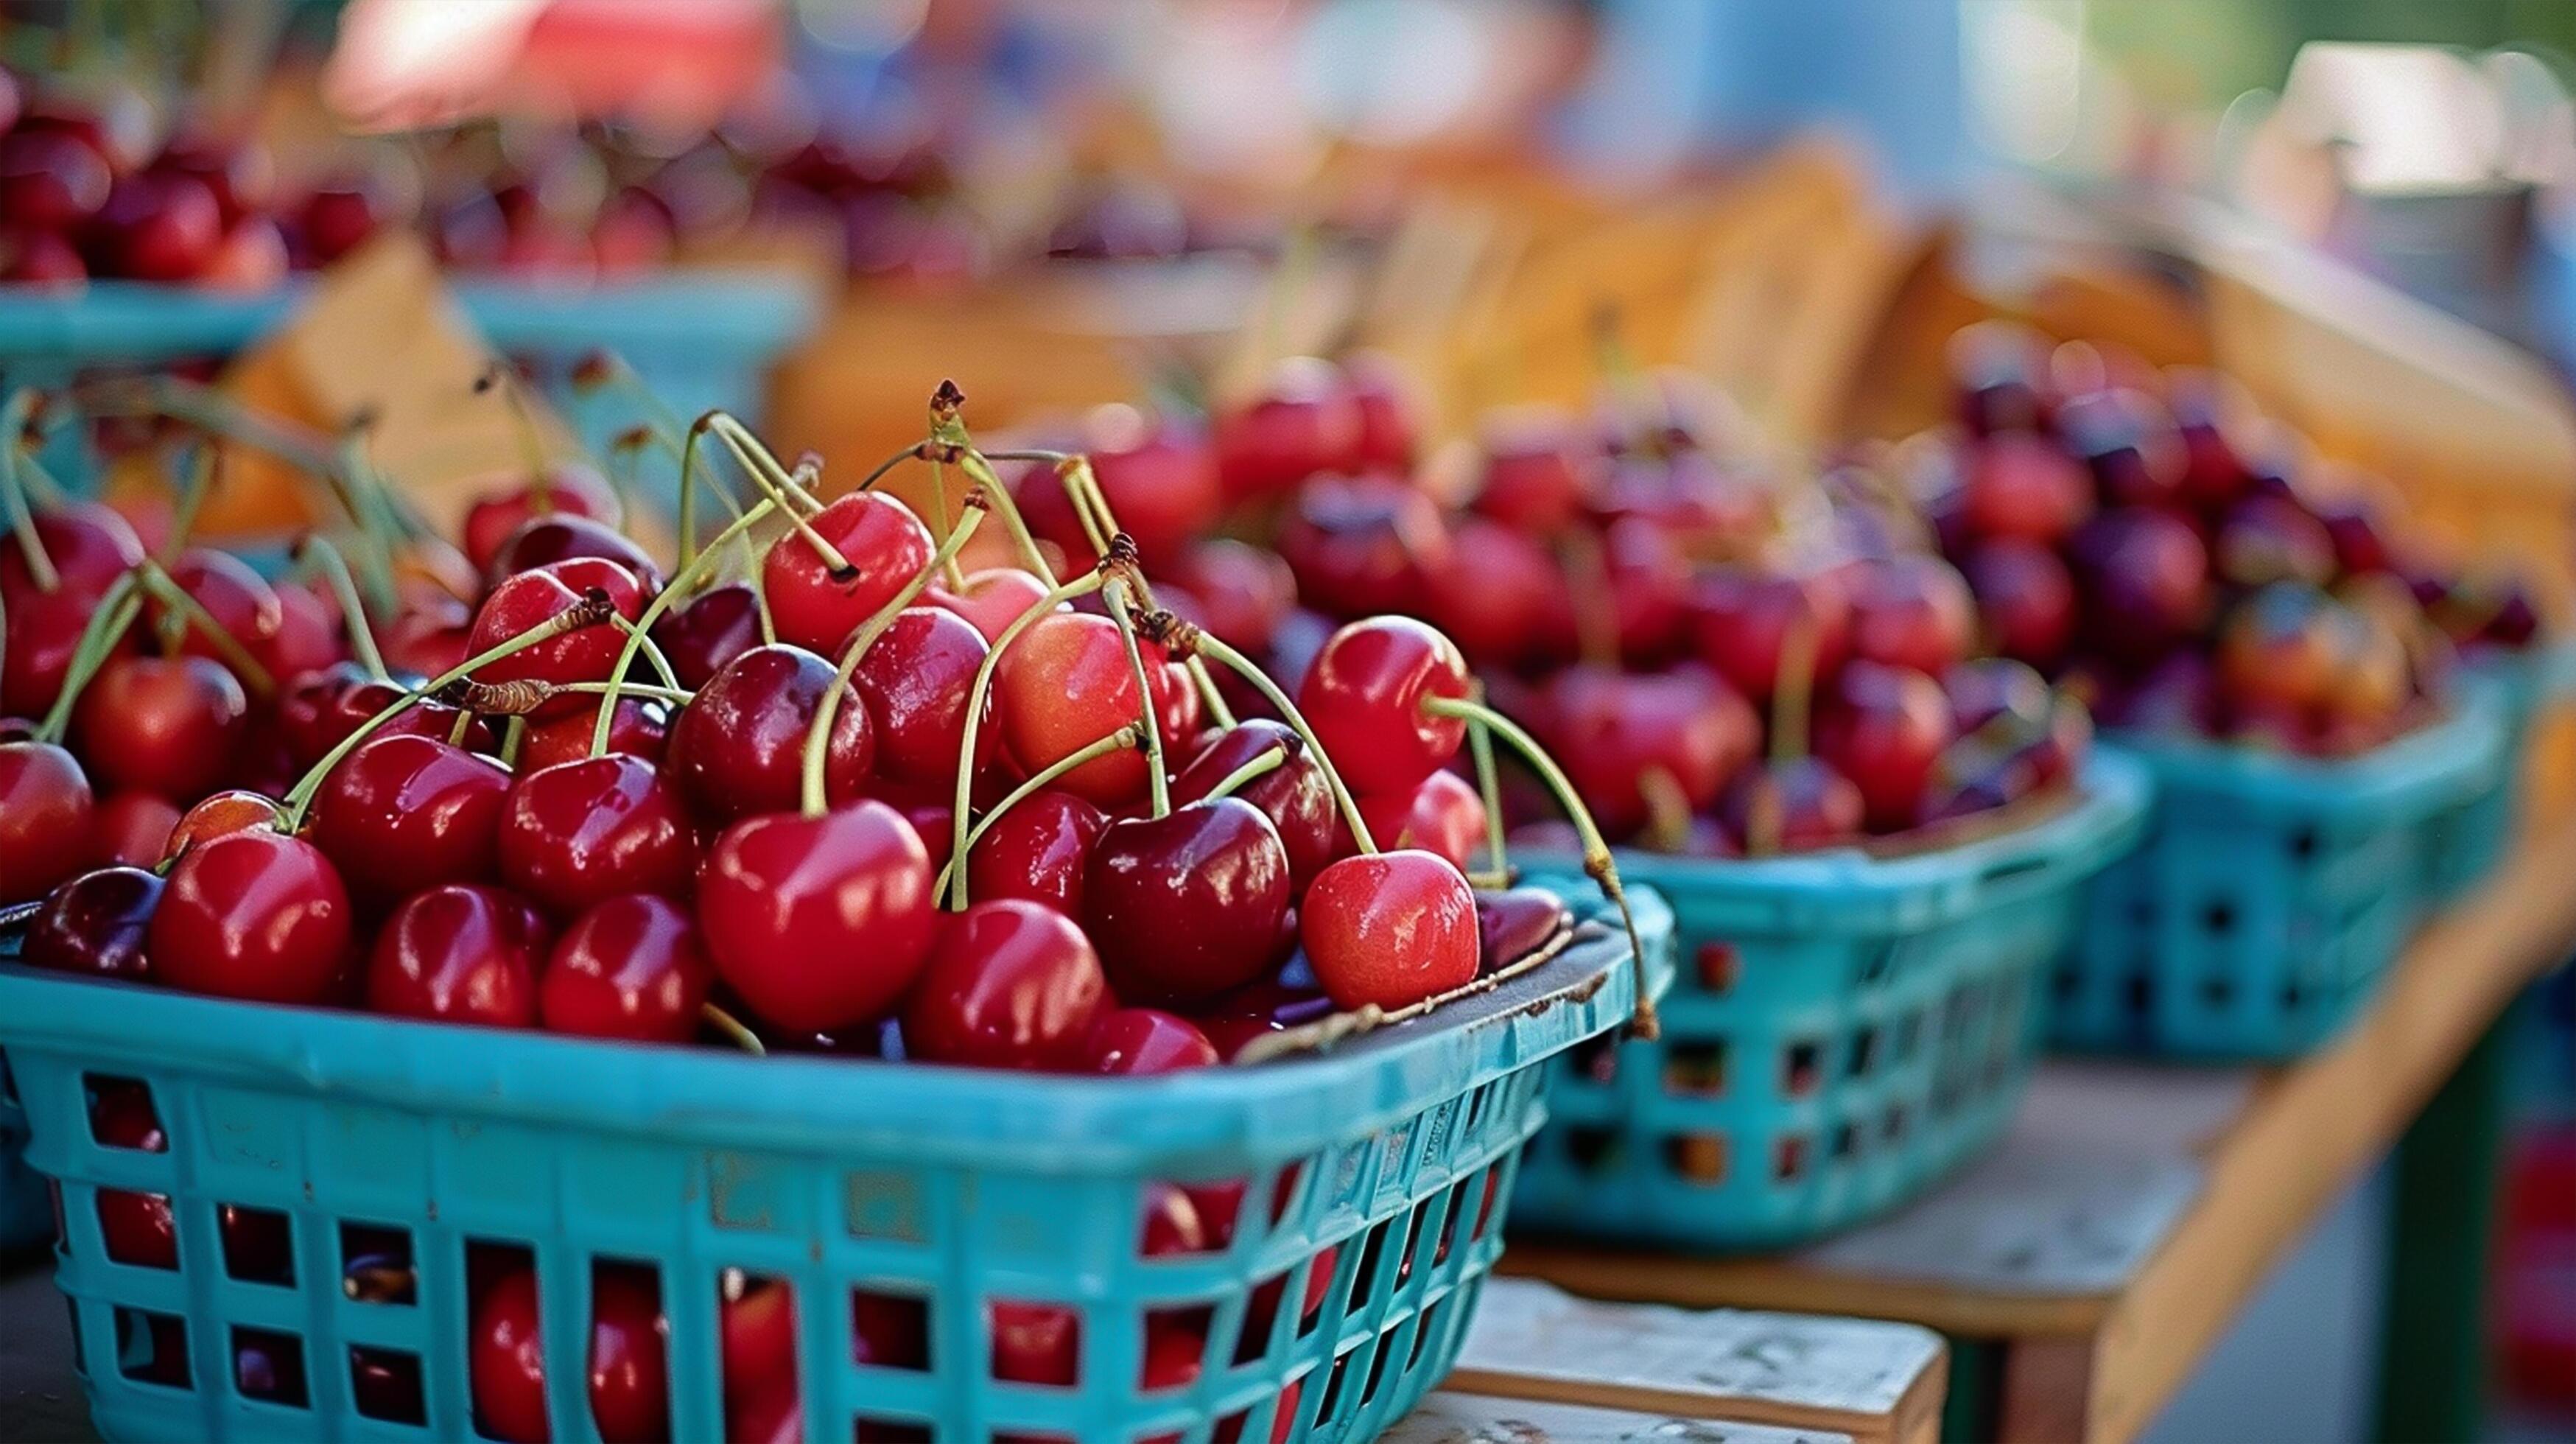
(1442, 815)
(739, 748)
(585, 654)
(1611, 728)
(2265, 539)
(240, 175)
(819, 922)
(571, 487)
(1065, 684)
(44, 631)
(1364, 544)
(50, 182)
(699, 636)
(1650, 591)
(2144, 577)
(154, 226)
(578, 833)
(1036, 851)
(1390, 411)
(2026, 487)
(429, 640)
(320, 710)
(1743, 620)
(1501, 597)
(1998, 368)
(1009, 984)
(133, 828)
(342, 212)
(1537, 474)
(1302, 421)
(1392, 928)
(1146, 1040)
(877, 535)
(308, 635)
(2129, 439)
(1911, 611)
(916, 679)
(136, 1227)
(758, 1341)
(169, 725)
(1160, 479)
(220, 815)
(637, 728)
(406, 812)
(1294, 795)
(1187, 905)
(1883, 728)
(1035, 1343)
(250, 258)
(562, 535)
(460, 954)
(89, 545)
(1239, 593)
(1259, 1007)
(45, 818)
(2025, 599)
(240, 600)
(628, 1365)
(632, 967)
(40, 258)
(1364, 697)
(255, 915)
(94, 925)
(1792, 805)
(1512, 923)
(992, 599)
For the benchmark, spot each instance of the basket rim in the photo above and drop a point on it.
(2422, 767)
(918, 1112)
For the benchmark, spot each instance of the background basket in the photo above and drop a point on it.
(2271, 893)
(902, 1187)
(2466, 841)
(1843, 1029)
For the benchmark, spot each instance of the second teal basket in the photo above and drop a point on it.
(1842, 1031)
(2468, 839)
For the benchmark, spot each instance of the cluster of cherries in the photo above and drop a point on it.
(852, 800)
(2147, 536)
(1723, 667)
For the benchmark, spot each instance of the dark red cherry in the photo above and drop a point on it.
(1743, 619)
(578, 833)
(739, 747)
(1035, 1343)
(629, 1389)
(2025, 599)
(2362, 543)
(1009, 984)
(94, 924)
(632, 967)
(136, 1227)
(308, 635)
(255, 915)
(404, 812)
(757, 1337)
(1883, 727)
(570, 488)
(1239, 593)
(1442, 815)
(46, 809)
(819, 922)
(1262, 1006)
(2177, 697)
(2144, 577)
(40, 259)
(1364, 544)
(154, 226)
(1187, 905)
(2216, 473)
(169, 725)
(460, 954)
(1650, 591)
(2131, 443)
(885, 545)
(428, 640)
(1036, 851)
(1159, 478)
(2266, 539)
(1911, 611)
(699, 636)
(2000, 371)
(563, 535)
(1364, 697)
(240, 600)
(917, 678)
(637, 728)
(585, 654)
(322, 709)
(1501, 597)
(1611, 728)
(1294, 795)
(1146, 1040)
(89, 544)
(44, 631)
(2026, 487)
(1303, 420)
(50, 182)
(1392, 928)
(1513, 923)
(1792, 805)
(133, 828)
(1064, 684)
(1992, 690)
(342, 212)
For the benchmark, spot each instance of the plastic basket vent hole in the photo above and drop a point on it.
(1802, 1068)
(1172, 1223)
(1595, 1060)
(137, 1229)
(1377, 1370)
(873, 1429)
(269, 1367)
(1036, 1343)
(1449, 1220)
(1864, 1052)
(152, 1348)
(259, 1245)
(2066, 983)
(756, 1356)
(2217, 991)
(892, 1330)
(2303, 843)
(503, 1339)
(2218, 917)
(2140, 994)
(1717, 966)
(1698, 1158)
(80, 1346)
(1594, 1150)
(2294, 996)
(1176, 1344)
(376, 1265)
(1880, 961)
(1695, 1070)
(1891, 1125)
(8, 1083)
(122, 1115)
(1331, 1413)
(1485, 1203)
(1372, 1253)
(385, 1384)
(1909, 1038)
(1846, 1144)
(1789, 1159)
(1431, 1320)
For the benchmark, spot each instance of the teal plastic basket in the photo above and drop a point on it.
(935, 1190)
(2271, 893)
(1843, 1030)
(26, 1217)
(2468, 839)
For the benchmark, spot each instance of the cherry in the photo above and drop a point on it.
(168, 725)
(562, 535)
(1035, 1343)
(1513, 923)
(819, 922)
(917, 678)
(1390, 928)
(51, 182)
(1883, 728)
(342, 212)
(2025, 487)
(992, 598)
(1990, 691)
(1501, 597)
(1187, 905)
(701, 635)
(1240, 592)
(255, 915)
(307, 638)
(1999, 370)
(2025, 599)
(1009, 984)
(2281, 651)
(2360, 535)
(44, 631)
(133, 828)
(136, 1227)
(738, 748)
(45, 818)
(1794, 804)
(1364, 696)
(570, 488)
(1442, 815)
(1265, 1005)
(578, 833)
(1911, 611)
(1537, 478)
(757, 1339)
(2265, 539)
(1159, 479)
(2145, 580)
(2178, 696)
(1295, 796)
(240, 600)
(405, 812)
(1064, 684)
(39, 258)
(631, 967)
(2215, 473)
(637, 728)
(460, 954)
(1742, 621)
(94, 924)
(1692, 495)
(1614, 728)
(222, 814)
(884, 543)
(251, 258)
(628, 1364)
(584, 654)
(1390, 412)
(89, 545)
(319, 711)
(1036, 851)
(2130, 441)
(1146, 1040)
(154, 226)
(429, 640)
(1364, 544)
(1303, 420)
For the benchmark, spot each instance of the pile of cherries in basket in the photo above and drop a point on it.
(2147, 536)
(1725, 666)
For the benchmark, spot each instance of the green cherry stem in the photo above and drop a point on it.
(1115, 594)
(1125, 737)
(1241, 666)
(643, 640)
(39, 482)
(513, 733)
(818, 738)
(940, 524)
(116, 612)
(463, 724)
(1597, 861)
(236, 656)
(316, 550)
(1268, 762)
(678, 586)
(733, 1028)
(1099, 523)
(790, 498)
(1081, 586)
(1480, 745)
(192, 500)
(13, 421)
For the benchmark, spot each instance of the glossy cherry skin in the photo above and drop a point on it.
(563, 535)
(699, 636)
(133, 828)
(1364, 544)
(1610, 728)
(222, 814)
(1146, 1040)
(1239, 593)
(1742, 621)
(1036, 851)
(459, 953)
(1883, 728)
(94, 924)
(1064, 684)
(44, 631)
(428, 640)
(916, 679)
(1992, 692)
(1391, 928)
(1364, 697)
(402, 813)
(992, 598)
(1188, 905)
(253, 915)
(2144, 577)
(1501, 597)
(1793, 805)
(585, 654)
(1537, 477)
(308, 635)
(154, 226)
(1294, 795)
(2024, 487)
(1998, 369)
(1512, 923)
(1913, 611)
(1441, 815)
(89, 544)
(168, 725)
(577, 833)
(633, 967)
(46, 809)
(2025, 600)
(1650, 592)
(1391, 410)
(571, 489)
(240, 600)
(628, 1363)
(1302, 421)
(879, 537)
(51, 182)
(739, 748)
(821, 922)
(637, 728)
(1009, 984)
(1160, 480)
(758, 1340)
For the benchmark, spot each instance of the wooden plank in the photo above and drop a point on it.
(2047, 1384)
(1453, 1418)
(1875, 1382)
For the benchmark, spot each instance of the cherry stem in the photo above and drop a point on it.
(1793, 690)
(1596, 620)
(40, 483)
(1597, 861)
(1667, 807)
(653, 611)
(105, 629)
(13, 422)
(758, 461)
(524, 696)
(818, 737)
(917, 451)
(733, 1028)
(687, 452)
(784, 490)
(948, 430)
(1480, 745)
(192, 499)
(1242, 667)
(513, 732)
(1268, 762)
(939, 509)
(652, 654)
(316, 550)
(502, 376)
(593, 609)
(1099, 524)
(1116, 596)
(1125, 737)
(463, 724)
(236, 656)
(1081, 586)
(375, 518)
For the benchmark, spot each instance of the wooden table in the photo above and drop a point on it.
(2083, 1268)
